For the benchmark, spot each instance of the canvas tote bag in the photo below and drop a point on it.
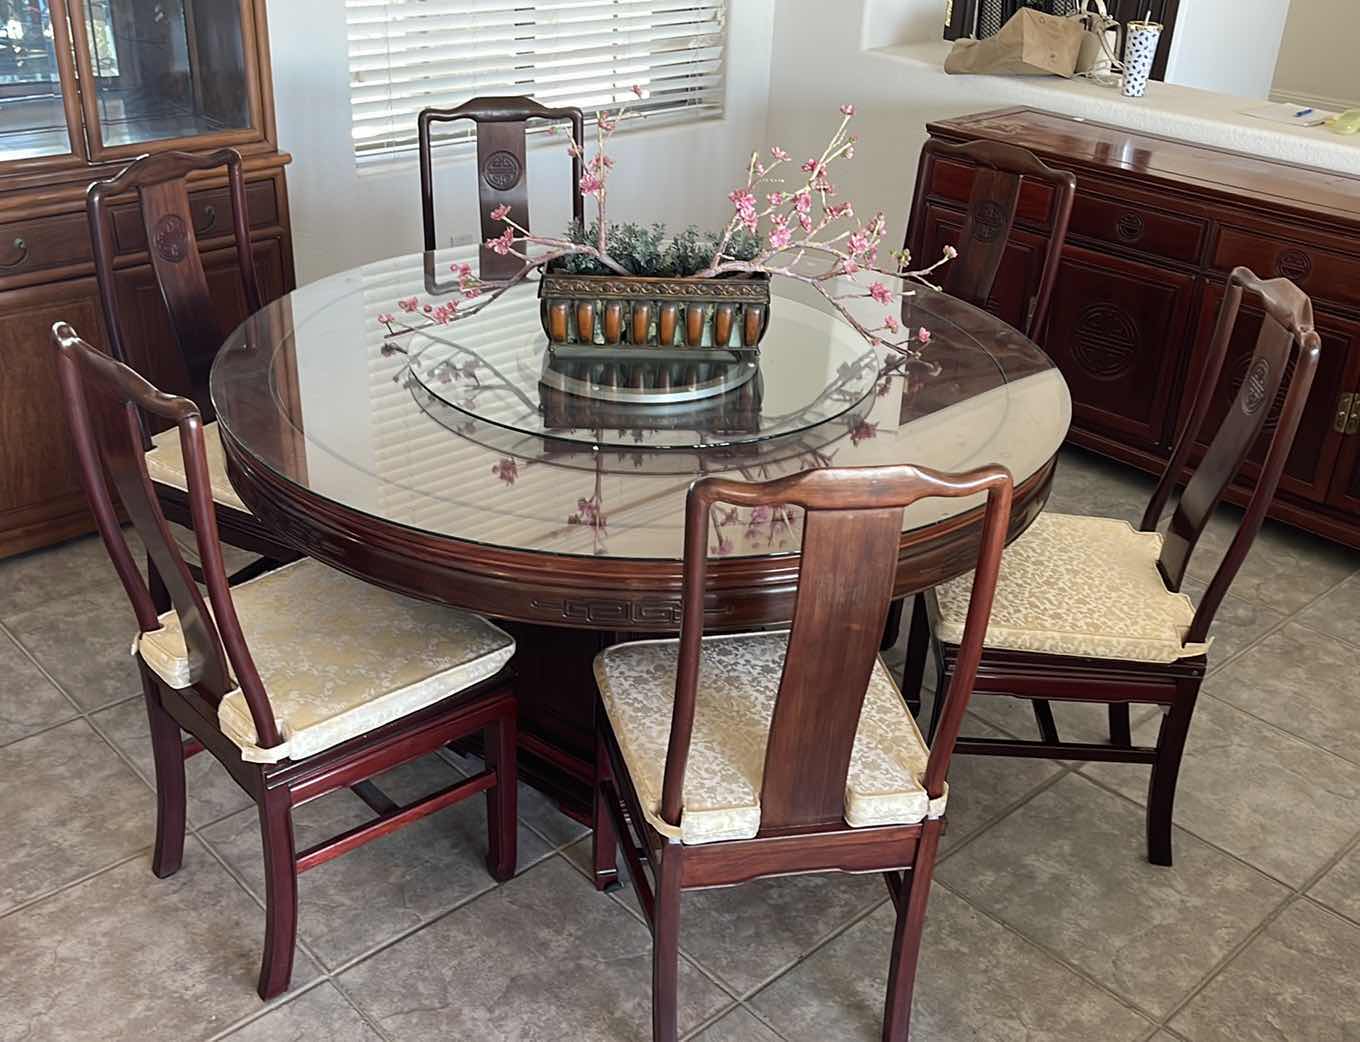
(1030, 44)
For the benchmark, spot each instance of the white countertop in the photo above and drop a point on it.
(1168, 110)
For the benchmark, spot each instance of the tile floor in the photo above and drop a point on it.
(1046, 922)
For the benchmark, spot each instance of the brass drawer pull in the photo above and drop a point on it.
(209, 220)
(21, 245)
(1347, 414)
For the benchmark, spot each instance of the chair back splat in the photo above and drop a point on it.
(1274, 390)
(103, 398)
(502, 173)
(1001, 173)
(160, 182)
(851, 535)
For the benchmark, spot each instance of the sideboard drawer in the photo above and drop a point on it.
(44, 243)
(1136, 228)
(953, 181)
(211, 210)
(1320, 273)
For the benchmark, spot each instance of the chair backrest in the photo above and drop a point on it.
(1002, 170)
(1278, 377)
(502, 173)
(160, 182)
(852, 530)
(103, 400)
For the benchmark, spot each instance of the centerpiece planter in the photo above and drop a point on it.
(694, 319)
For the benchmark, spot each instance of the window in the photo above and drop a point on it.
(406, 55)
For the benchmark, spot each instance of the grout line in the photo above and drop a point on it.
(29, 902)
(982, 830)
(286, 999)
(1039, 946)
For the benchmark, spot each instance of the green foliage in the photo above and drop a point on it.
(646, 250)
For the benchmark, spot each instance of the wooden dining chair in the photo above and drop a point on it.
(1001, 175)
(160, 183)
(1089, 610)
(300, 682)
(502, 172)
(726, 759)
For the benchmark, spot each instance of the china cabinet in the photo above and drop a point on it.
(1157, 227)
(86, 86)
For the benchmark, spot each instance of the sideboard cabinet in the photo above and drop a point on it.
(1157, 226)
(85, 87)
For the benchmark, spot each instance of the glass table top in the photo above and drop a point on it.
(317, 389)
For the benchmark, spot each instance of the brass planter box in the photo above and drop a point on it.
(697, 319)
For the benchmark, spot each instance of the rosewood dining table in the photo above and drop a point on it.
(465, 463)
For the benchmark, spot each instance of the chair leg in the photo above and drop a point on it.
(1121, 730)
(918, 651)
(604, 840)
(502, 813)
(906, 948)
(280, 890)
(167, 749)
(893, 625)
(1165, 772)
(666, 946)
(1043, 716)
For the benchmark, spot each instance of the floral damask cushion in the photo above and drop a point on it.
(337, 657)
(738, 681)
(1072, 585)
(165, 464)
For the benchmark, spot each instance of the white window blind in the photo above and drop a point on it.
(406, 55)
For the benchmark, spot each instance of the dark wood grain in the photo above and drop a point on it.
(1157, 227)
(1284, 363)
(852, 524)
(502, 166)
(104, 400)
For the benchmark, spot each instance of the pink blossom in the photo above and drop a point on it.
(410, 304)
(806, 221)
(444, 313)
(750, 220)
(849, 266)
(802, 202)
(463, 271)
(591, 185)
(847, 110)
(472, 292)
(840, 210)
(881, 293)
(742, 200)
(950, 252)
(812, 166)
(778, 153)
(891, 324)
(849, 152)
(859, 243)
(506, 469)
(776, 198)
(503, 242)
(863, 430)
(637, 89)
(780, 237)
(607, 122)
(574, 150)
(923, 335)
(427, 308)
(501, 212)
(724, 545)
(386, 319)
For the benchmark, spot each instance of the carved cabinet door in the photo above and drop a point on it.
(1018, 278)
(1309, 470)
(1345, 491)
(1117, 330)
(40, 495)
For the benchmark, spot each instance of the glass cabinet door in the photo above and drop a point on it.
(35, 116)
(165, 70)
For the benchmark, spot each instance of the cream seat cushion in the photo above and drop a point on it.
(738, 680)
(337, 657)
(1086, 586)
(165, 464)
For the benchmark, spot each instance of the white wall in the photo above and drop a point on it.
(1229, 46)
(1317, 61)
(346, 213)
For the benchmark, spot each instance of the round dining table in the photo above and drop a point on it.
(453, 455)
